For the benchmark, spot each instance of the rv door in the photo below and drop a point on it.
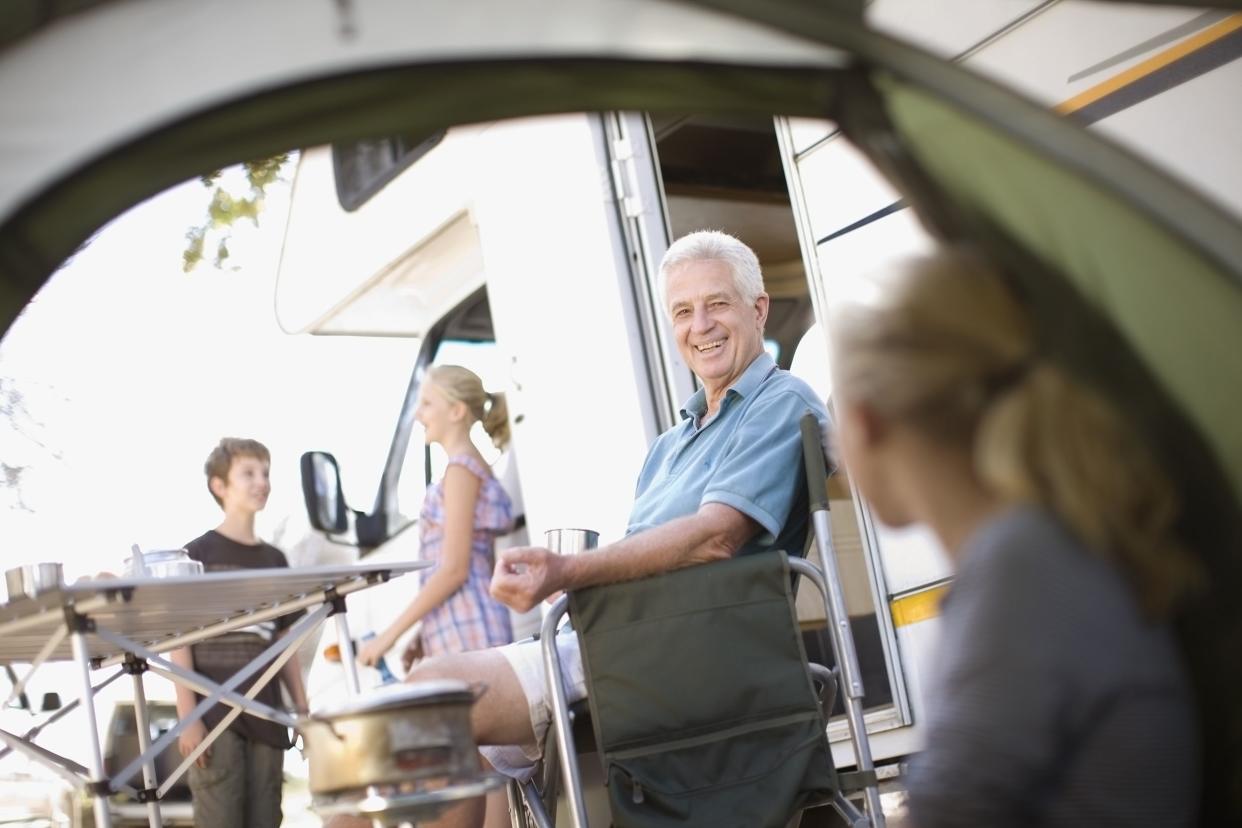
(644, 236)
(848, 217)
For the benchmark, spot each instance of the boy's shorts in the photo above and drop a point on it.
(526, 659)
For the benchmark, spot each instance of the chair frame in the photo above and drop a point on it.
(826, 579)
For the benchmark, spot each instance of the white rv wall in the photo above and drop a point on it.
(331, 257)
(557, 287)
(1063, 49)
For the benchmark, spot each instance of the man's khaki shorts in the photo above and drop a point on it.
(526, 659)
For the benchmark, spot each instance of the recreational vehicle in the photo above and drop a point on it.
(526, 250)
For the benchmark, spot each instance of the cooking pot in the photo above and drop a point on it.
(31, 579)
(400, 734)
(162, 563)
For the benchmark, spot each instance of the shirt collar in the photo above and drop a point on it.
(744, 386)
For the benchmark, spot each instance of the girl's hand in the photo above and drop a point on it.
(374, 650)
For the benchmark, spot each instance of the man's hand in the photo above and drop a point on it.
(525, 575)
(190, 739)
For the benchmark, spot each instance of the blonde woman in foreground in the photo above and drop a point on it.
(1059, 697)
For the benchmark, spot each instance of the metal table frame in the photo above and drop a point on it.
(127, 623)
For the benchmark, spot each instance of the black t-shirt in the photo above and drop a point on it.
(220, 658)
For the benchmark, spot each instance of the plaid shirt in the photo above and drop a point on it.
(470, 619)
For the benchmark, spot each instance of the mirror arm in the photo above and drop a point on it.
(370, 530)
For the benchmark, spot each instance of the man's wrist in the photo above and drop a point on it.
(571, 572)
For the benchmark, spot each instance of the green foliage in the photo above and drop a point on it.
(21, 444)
(12, 408)
(225, 209)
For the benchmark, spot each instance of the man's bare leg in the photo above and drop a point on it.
(498, 809)
(491, 811)
(499, 717)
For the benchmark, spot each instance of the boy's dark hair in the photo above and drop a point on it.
(222, 456)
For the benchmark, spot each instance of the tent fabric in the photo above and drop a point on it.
(23, 17)
(1179, 312)
(364, 104)
(1141, 316)
(170, 60)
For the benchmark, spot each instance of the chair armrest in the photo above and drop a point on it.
(553, 673)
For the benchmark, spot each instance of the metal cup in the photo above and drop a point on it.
(31, 579)
(571, 541)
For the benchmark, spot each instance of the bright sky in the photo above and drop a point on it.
(133, 370)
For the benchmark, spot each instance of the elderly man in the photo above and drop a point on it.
(725, 481)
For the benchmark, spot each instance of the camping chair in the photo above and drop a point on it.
(702, 702)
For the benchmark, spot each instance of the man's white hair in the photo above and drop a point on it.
(704, 245)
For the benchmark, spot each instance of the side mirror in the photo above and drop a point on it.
(321, 488)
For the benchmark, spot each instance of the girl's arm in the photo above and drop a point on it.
(461, 491)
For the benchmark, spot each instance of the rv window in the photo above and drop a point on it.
(773, 348)
(486, 360)
(362, 168)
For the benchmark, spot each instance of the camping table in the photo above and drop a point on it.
(127, 622)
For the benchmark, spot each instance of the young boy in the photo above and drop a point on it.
(236, 783)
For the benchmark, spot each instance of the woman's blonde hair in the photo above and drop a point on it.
(942, 345)
(464, 386)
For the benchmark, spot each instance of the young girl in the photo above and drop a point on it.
(460, 519)
(1059, 697)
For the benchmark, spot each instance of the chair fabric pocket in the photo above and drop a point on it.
(751, 776)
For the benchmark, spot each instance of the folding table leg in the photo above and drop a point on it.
(103, 814)
(144, 747)
(346, 646)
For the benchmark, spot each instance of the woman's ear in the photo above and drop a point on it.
(217, 486)
(860, 421)
(457, 411)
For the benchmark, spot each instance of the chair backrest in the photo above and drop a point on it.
(703, 707)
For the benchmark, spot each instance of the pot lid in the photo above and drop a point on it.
(397, 696)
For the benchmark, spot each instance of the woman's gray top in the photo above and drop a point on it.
(1052, 701)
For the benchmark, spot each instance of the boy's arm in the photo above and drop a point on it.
(186, 700)
(291, 675)
(193, 733)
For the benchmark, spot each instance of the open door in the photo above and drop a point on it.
(847, 217)
(644, 236)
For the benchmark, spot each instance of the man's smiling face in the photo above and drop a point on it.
(718, 332)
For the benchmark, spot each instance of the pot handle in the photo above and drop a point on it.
(313, 722)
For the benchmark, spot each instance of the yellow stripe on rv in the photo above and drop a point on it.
(1152, 64)
(919, 606)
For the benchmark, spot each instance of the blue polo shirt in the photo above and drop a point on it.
(749, 457)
